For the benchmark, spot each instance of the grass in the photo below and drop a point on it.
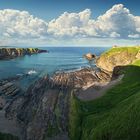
(4, 136)
(114, 116)
(130, 50)
(137, 63)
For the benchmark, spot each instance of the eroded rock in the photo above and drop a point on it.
(119, 56)
(43, 110)
(9, 53)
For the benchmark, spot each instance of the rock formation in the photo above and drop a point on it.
(43, 111)
(119, 56)
(90, 56)
(9, 53)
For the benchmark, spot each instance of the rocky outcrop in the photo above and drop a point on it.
(8, 89)
(90, 56)
(9, 53)
(43, 111)
(119, 56)
(80, 78)
(2, 102)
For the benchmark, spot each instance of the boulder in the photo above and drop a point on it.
(90, 56)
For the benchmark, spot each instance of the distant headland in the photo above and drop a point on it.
(10, 53)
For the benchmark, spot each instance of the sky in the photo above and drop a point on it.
(69, 23)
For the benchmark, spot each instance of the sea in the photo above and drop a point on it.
(58, 59)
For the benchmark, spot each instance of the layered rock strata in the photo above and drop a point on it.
(43, 110)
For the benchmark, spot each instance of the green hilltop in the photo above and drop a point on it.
(118, 56)
(115, 115)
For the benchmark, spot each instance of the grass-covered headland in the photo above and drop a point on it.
(115, 115)
(9, 53)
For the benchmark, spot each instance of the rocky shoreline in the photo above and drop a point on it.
(10, 53)
(43, 110)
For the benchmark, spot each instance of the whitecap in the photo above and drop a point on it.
(20, 74)
(31, 72)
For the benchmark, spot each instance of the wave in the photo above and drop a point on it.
(31, 72)
(20, 74)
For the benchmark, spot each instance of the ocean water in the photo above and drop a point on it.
(37, 65)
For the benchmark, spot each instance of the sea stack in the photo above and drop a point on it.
(90, 56)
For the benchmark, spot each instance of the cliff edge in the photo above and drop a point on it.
(119, 56)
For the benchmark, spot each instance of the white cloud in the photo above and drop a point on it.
(14, 23)
(114, 35)
(69, 24)
(134, 36)
(116, 20)
(116, 23)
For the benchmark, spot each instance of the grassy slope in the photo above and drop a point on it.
(115, 116)
(4, 136)
(112, 51)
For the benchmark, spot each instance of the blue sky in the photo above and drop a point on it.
(49, 9)
(69, 22)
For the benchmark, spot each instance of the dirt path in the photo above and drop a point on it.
(97, 90)
(8, 126)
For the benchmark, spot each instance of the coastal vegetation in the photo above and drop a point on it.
(115, 115)
(9, 53)
(4, 136)
(118, 56)
(55, 107)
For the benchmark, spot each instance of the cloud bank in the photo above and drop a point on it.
(116, 23)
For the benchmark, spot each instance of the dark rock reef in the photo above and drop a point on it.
(8, 91)
(9, 53)
(43, 110)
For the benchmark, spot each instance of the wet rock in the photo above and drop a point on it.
(42, 111)
(8, 88)
(80, 78)
(2, 103)
(90, 56)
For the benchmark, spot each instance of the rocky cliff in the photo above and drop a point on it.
(9, 53)
(118, 56)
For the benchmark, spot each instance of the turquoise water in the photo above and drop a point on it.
(37, 65)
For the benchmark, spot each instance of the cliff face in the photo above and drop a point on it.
(118, 57)
(8, 53)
